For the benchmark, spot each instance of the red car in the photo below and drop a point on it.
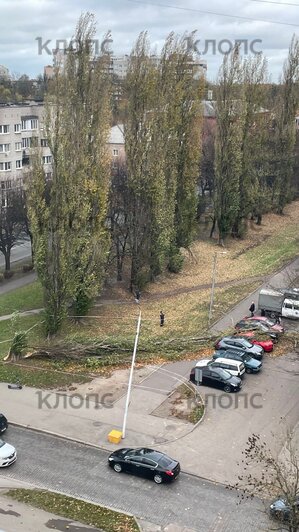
(271, 325)
(267, 345)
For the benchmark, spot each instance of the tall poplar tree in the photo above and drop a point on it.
(68, 214)
(228, 157)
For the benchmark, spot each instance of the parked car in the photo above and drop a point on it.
(246, 325)
(217, 378)
(3, 423)
(251, 364)
(8, 454)
(241, 344)
(274, 327)
(267, 345)
(281, 509)
(146, 463)
(235, 367)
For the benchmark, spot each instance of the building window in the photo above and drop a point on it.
(4, 148)
(17, 128)
(29, 124)
(115, 152)
(47, 159)
(30, 142)
(44, 143)
(18, 146)
(19, 164)
(5, 166)
(4, 129)
(48, 175)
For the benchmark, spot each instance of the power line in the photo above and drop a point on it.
(215, 13)
(276, 3)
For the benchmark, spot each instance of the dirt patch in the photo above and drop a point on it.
(183, 403)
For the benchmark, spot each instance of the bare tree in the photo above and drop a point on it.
(269, 475)
(12, 221)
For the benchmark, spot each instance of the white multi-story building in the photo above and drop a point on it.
(21, 128)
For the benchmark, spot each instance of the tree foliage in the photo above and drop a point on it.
(68, 214)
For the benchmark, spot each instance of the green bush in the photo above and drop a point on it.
(176, 261)
(8, 274)
(142, 278)
(27, 268)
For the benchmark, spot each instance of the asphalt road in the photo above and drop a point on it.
(80, 471)
(19, 252)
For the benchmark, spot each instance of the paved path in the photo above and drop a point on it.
(13, 284)
(18, 252)
(283, 278)
(80, 471)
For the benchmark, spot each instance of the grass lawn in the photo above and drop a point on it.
(264, 250)
(76, 510)
(25, 298)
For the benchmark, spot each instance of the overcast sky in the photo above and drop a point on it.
(22, 21)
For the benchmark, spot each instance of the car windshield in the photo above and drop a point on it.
(246, 357)
(247, 344)
(224, 374)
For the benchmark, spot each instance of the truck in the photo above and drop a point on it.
(282, 302)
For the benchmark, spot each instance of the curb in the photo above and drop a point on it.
(99, 447)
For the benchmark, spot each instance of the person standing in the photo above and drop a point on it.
(137, 296)
(162, 317)
(252, 309)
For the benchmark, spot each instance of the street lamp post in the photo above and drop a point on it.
(131, 377)
(213, 283)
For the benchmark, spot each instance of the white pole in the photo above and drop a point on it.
(131, 376)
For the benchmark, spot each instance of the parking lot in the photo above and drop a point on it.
(267, 403)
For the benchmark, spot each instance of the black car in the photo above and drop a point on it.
(281, 509)
(146, 463)
(217, 378)
(251, 364)
(3, 423)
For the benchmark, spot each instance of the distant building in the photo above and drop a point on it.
(21, 128)
(48, 72)
(116, 144)
(4, 72)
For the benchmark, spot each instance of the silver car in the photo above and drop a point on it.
(241, 344)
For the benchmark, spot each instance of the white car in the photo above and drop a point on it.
(8, 454)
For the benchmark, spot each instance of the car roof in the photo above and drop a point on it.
(203, 362)
(226, 359)
(227, 352)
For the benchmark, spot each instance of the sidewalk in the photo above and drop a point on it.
(281, 279)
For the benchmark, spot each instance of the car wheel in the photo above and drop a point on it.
(248, 370)
(226, 388)
(158, 479)
(117, 468)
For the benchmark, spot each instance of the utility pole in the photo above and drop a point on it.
(131, 376)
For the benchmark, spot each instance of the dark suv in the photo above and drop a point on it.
(3, 423)
(251, 364)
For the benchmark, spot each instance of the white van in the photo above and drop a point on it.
(235, 367)
(290, 309)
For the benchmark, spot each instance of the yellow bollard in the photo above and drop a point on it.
(114, 436)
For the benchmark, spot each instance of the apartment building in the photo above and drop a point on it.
(21, 128)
